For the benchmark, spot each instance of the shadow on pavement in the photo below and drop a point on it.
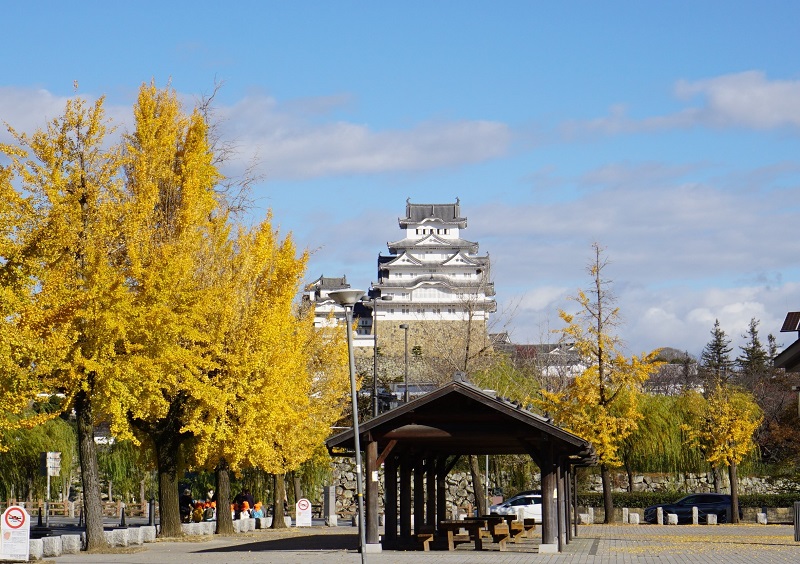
(296, 543)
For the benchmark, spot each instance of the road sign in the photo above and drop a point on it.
(15, 534)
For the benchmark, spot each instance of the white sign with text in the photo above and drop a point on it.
(15, 534)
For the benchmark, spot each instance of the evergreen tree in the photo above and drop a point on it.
(715, 359)
(754, 362)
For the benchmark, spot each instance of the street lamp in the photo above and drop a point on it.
(347, 299)
(374, 301)
(404, 327)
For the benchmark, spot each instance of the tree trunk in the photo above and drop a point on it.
(298, 487)
(629, 472)
(477, 485)
(734, 493)
(717, 479)
(224, 517)
(90, 473)
(277, 509)
(168, 498)
(608, 503)
(167, 440)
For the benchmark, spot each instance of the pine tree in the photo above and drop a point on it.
(715, 360)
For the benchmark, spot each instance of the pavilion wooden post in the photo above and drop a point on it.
(430, 483)
(419, 493)
(549, 510)
(371, 511)
(561, 504)
(406, 465)
(441, 490)
(568, 501)
(390, 504)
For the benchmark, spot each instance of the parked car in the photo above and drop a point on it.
(528, 505)
(706, 503)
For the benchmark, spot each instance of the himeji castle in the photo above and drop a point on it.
(432, 274)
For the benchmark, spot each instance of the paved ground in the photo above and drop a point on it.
(596, 544)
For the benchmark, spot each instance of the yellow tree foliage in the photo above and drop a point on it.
(284, 382)
(723, 425)
(173, 229)
(68, 322)
(606, 413)
(601, 404)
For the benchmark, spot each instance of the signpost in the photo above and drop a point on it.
(15, 534)
(50, 465)
(303, 512)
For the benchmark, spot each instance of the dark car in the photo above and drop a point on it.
(706, 503)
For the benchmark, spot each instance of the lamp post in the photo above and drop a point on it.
(374, 301)
(347, 299)
(404, 327)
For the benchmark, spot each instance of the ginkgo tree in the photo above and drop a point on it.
(602, 403)
(722, 425)
(61, 253)
(173, 230)
(283, 381)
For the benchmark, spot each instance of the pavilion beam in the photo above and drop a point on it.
(390, 491)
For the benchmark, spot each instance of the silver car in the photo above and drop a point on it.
(524, 506)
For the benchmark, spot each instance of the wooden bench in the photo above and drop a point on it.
(426, 534)
(454, 536)
(496, 527)
(500, 534)
(530, 527)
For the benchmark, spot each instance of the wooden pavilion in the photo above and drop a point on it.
(420, 442)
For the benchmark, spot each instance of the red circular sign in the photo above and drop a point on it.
(14, 517)
(303, 505)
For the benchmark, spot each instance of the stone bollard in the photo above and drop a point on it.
(148, 533)
(695, 518)
(71, 544)
(51, 546)
(35, 549)
(711, 519)
(659, 515)
(761, 518)
(591, 515)
(672, 519)
(633, 518)
(624, 515)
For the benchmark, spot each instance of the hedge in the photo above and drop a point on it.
(645, 499)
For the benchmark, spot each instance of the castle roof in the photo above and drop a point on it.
(420, 213)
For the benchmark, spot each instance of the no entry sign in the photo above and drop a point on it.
(15, 534)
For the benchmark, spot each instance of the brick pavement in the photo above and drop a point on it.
(596, 544)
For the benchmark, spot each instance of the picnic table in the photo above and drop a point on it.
(454, 536)
(477, 528)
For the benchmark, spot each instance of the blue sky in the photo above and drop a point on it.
(667, 132)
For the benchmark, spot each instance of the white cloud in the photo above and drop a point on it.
(746, 99)
(290, 144)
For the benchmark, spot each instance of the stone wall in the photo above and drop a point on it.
(459, 489)
(692, 483)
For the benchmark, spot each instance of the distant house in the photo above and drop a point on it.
(789, 358)
(551, 359)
